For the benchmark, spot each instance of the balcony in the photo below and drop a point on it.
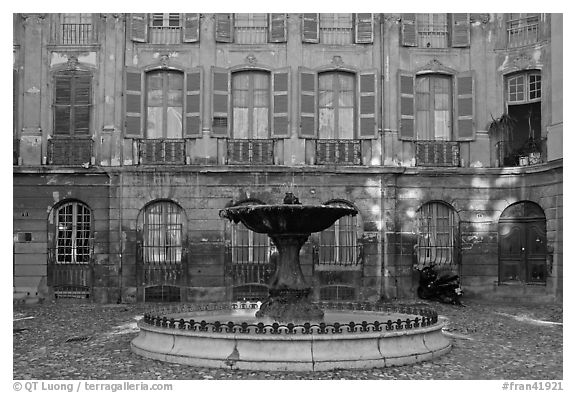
(77, 34)
(250, 152)
(437, 153)
(338, 152)
(529, 154)
(69, 151)
(523, 31)
(162, 151)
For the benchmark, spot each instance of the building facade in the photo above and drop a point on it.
(132, 131)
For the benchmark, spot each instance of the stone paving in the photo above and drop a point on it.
(68, 340)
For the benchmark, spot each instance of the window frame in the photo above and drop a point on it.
(167, 208)
(430, 235)
(165, 98)
(432, 106)
(251, 95)
(525, 77)
(349, 226)
(74, 229)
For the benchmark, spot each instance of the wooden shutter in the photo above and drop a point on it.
(363, 28)
(191, 27)
(193, 123)
(409, 30)
(368, 104)
(460, 33)
(277, 27)
(465, 130)
(133, 104)
(311, 28)
(82, 104)
(407, 126)
(224, 27)
(220, 102)
(139, 27)
(280, 103)
(308, 102)
(62, 104)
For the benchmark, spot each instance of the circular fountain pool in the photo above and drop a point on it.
(351, 335)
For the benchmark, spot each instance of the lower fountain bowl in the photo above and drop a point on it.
(351, 336)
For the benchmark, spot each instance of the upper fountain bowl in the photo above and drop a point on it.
(287, 219)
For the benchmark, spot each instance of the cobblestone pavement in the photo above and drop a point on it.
(490, 341)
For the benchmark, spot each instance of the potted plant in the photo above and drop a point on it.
(500, 129)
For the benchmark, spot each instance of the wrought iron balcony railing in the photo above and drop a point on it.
(437, 153)
(69, 151)
(162, 151)
(77, 34)
(529, 154)
(349, 255)
(338, 152)
(165, 34)
(251, 151)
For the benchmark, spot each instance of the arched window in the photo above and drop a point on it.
(71, 251)
(522, 243)
(339, 243)
(437, 234)
(164, 104)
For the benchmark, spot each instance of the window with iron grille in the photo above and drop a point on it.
(250, 28)
(165, 28)
(523, 29)
(432, 30)
(73, 234)
(337, 293)
(437, 234)
(338, 244)
(162, 234)
(336, 29)
(251, 256)
(76, 29)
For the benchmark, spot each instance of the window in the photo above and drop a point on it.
(336, 29)
(250, 28)
(72, 102)
(432, 30)
(76, 29)
(434, 107)
(162, 234)
(251, 104)
(249, 247)
(523, 95)
(437, 234)
(338, 244)
(435, 30)
(164, 104)
(73, 234)
(164, 28)
(523, 29)
(336, 105)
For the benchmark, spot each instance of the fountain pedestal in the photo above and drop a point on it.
(289, 294)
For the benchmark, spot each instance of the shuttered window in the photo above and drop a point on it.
(435, 30)
(72, 103)
(337, 29)
(433, 107)
(251, 105)
(164, 104)
(250, 28)
(336, 105)
(165, 28)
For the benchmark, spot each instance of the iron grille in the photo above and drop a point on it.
(437, 235)
(343, 152)
(162, 151)
(77, 34)
(438, 153)
(69, 280)
(69, 151)
(165, 34)
(338, 293)
(251, 151)
(523, 31)
(250, 292)
(162, 293)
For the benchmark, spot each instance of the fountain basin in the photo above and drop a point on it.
(350, 336)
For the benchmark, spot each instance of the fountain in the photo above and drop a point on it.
(289, 331)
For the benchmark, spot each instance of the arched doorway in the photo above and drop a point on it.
(70, 250)
(522, 244)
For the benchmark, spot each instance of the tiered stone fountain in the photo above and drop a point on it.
(289, 331)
